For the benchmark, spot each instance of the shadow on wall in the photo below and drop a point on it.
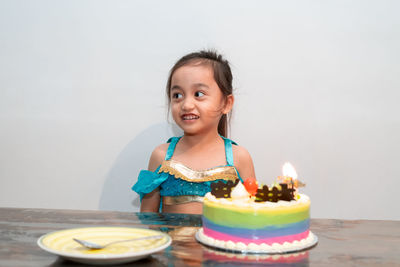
(117, 193)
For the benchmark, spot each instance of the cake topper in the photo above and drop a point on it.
(221, 189)
(280, 192)
(284, 189)
(290, 176)
(251, 185)
(239, 192)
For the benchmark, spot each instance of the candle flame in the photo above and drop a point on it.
(288, 170)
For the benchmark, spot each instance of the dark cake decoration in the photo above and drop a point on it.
(275, 194)
(287, 192)
(221, 189)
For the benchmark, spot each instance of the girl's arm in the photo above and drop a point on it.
(243, 162)
(151, 201)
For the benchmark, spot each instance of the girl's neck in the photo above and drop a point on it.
(201, 140)
(201, 152)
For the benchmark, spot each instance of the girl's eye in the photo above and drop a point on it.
(176, 95)
(198, 94)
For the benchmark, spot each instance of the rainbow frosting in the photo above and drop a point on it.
(247, 225)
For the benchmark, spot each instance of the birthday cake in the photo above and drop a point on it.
(247, 218)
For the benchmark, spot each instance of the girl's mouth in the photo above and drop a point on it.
(187, 117)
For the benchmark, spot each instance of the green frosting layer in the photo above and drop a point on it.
(252, 218)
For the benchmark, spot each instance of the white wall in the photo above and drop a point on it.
(82, 99)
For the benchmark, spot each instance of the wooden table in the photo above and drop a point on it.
(341, 242)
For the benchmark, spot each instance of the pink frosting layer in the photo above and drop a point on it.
(268, 241)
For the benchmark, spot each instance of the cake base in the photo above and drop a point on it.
(224, 258)
(275, 248)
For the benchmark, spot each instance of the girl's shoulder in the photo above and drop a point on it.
(240, 154)
(243, 162)
(157, 156)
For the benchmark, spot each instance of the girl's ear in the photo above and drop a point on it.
(229, 100)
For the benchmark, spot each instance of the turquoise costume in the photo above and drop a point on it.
(180, 184)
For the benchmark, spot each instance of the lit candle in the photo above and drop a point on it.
(290, 176)
(289, 171)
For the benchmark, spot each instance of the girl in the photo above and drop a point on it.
(180, 172)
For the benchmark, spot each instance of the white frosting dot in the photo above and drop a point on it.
(253, 246)
(241, 246)
(220, 243)
(275, 245)
(239, 192)
(264, 246)
(230, 245)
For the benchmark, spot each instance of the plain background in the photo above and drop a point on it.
(82, 101)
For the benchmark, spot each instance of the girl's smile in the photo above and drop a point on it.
(189, 117)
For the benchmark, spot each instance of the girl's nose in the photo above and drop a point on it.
(188, 104)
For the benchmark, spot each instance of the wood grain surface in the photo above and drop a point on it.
(341, 242)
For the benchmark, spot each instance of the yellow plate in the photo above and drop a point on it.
(61, 243)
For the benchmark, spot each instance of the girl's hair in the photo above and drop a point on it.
(222, 76)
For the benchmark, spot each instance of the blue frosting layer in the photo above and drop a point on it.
(267, 232)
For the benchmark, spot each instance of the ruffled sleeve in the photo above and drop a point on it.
(148, 181)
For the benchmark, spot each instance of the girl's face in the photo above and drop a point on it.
(197, 103)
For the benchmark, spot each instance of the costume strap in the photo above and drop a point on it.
(228, 150)
(171, 148)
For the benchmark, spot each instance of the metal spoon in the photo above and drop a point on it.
(92, 245)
